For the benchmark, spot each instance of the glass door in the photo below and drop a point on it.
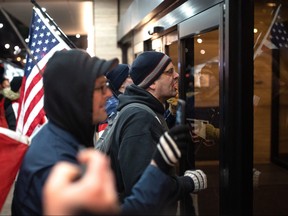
(203, 111)
(200, 88)
(270, 108)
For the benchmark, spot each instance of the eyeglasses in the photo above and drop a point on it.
(103, 88)
(169, 72)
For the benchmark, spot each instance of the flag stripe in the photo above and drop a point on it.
(34, 100)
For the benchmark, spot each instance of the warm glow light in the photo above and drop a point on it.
(27, 40)
(18, 59)
(199, 40)
(24, 61)
(7, 46)
(202, 52)
(271, 4)
(1, 25)
(78, 35)
(255, 30)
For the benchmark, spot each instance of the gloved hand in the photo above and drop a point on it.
(212, 133)
(199, 179)
(170, 145)
(173, 104)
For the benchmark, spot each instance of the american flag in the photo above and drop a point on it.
(279, 34)
(276, 36)
(44, 41)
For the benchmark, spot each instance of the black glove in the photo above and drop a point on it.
(170, 145)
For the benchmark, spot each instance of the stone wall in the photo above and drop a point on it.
(105, 29)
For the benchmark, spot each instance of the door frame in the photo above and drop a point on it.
(236, 98)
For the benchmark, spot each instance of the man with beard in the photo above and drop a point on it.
(137, 130)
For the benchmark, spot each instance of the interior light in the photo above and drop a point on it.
(255, 30)
(78, 35)
(7, 46)
(1, 25)
(202, 52)
(271, 4)
(18, 59)
(199, 40)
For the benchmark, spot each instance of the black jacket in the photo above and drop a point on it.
(135, 138)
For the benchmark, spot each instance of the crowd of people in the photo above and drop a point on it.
(62, 172)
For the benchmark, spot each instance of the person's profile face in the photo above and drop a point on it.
(101, 93)
(167, 83)
(5, 84)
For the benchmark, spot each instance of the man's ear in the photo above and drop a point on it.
(153, 86)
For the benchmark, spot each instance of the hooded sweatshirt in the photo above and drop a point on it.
(68, 82)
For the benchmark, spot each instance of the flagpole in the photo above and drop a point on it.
(66, 39)
(19, 36)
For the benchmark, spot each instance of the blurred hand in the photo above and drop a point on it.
(94, 191)
(173, 104)
(212, 133)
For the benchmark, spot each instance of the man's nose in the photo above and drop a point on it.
(108, 93)
(176, 75)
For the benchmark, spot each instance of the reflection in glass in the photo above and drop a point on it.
(271, 112)
(202, 98)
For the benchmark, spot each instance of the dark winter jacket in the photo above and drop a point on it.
(134, 140)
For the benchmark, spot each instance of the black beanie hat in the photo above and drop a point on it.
(117, 76)
(147, 68)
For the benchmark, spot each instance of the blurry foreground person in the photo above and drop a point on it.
(94, 192)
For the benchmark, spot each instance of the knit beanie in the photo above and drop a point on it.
(117, 76)
(147, 68)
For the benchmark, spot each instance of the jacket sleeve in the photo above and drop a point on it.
(150, 194)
